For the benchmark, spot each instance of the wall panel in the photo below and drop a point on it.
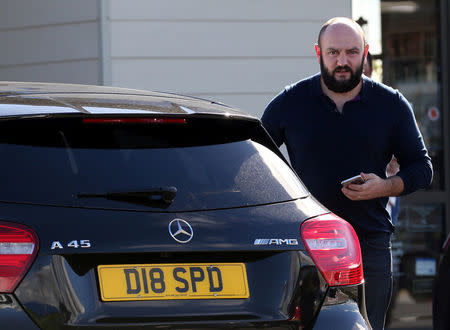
(240, 52)
(266, 10)
(219, 77)
(50, 40)
(213, 39)
(17, 14)
(82, 72)
(49, 43)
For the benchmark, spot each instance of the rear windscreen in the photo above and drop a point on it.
(209, 163)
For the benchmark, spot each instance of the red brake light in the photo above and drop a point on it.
(18, 248)
(134, 120)
(334, 247)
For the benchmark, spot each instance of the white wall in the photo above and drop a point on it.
(240, 52)
(49, 40)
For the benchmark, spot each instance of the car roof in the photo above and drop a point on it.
(25, 99)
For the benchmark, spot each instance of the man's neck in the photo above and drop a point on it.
(340, 98)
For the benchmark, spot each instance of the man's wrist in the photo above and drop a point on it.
(395, 186)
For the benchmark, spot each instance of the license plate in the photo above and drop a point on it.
(172, 281)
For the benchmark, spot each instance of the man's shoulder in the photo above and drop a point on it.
(302, 86)
(387, 100)
(293, 95)
(379, 89)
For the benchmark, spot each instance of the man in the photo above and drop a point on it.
(338, 124)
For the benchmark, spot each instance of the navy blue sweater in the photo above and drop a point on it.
(326, 146)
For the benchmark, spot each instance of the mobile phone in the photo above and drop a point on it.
(357, 179)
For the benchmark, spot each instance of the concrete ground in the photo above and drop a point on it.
(409, 313)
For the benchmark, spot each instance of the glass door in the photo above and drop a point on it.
(411, 63)
(407, 56)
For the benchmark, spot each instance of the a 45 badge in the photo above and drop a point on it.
(75, 244)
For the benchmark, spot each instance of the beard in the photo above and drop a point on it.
(341, 86)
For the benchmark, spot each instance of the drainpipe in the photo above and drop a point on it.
(104, 44)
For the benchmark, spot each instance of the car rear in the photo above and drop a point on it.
(127, 215)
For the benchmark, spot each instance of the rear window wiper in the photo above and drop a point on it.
(160, 197)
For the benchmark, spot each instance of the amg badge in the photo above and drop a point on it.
(276, 241)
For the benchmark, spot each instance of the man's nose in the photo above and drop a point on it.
(342, 59)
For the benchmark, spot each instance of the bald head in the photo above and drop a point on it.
(341, 51)
(343, 24)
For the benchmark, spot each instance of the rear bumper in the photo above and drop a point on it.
(12, 316)
(344, 307)
(342, 316)
(346, 315)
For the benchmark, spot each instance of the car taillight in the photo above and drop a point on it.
(18, 248)
(334, 247)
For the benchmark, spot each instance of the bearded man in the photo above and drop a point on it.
(340, 123)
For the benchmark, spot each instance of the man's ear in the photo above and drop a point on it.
(317, 48)
(366, 50)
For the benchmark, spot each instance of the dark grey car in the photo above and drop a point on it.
(129, 209)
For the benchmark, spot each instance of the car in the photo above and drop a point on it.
(441, 290)
(131, 209)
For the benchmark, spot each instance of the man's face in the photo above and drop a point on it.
(335, 81)
(341, 58)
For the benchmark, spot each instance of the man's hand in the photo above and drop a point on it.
(374, 187)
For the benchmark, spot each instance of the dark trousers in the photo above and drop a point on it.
(377, 266)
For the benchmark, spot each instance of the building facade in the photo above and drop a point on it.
(242, 53)
(239, 52)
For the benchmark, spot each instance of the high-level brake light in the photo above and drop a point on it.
(18, 248)
(155, 120)
(334, 247)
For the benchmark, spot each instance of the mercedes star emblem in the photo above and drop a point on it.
(180, 230)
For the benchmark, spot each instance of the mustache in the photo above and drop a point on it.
(344, 68)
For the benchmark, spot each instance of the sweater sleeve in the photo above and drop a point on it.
(272, 118)
(416, 169)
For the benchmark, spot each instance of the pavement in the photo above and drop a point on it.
(409, 313)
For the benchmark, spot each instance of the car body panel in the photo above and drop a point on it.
(127, 232)
(343, 316)
(12, 315)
